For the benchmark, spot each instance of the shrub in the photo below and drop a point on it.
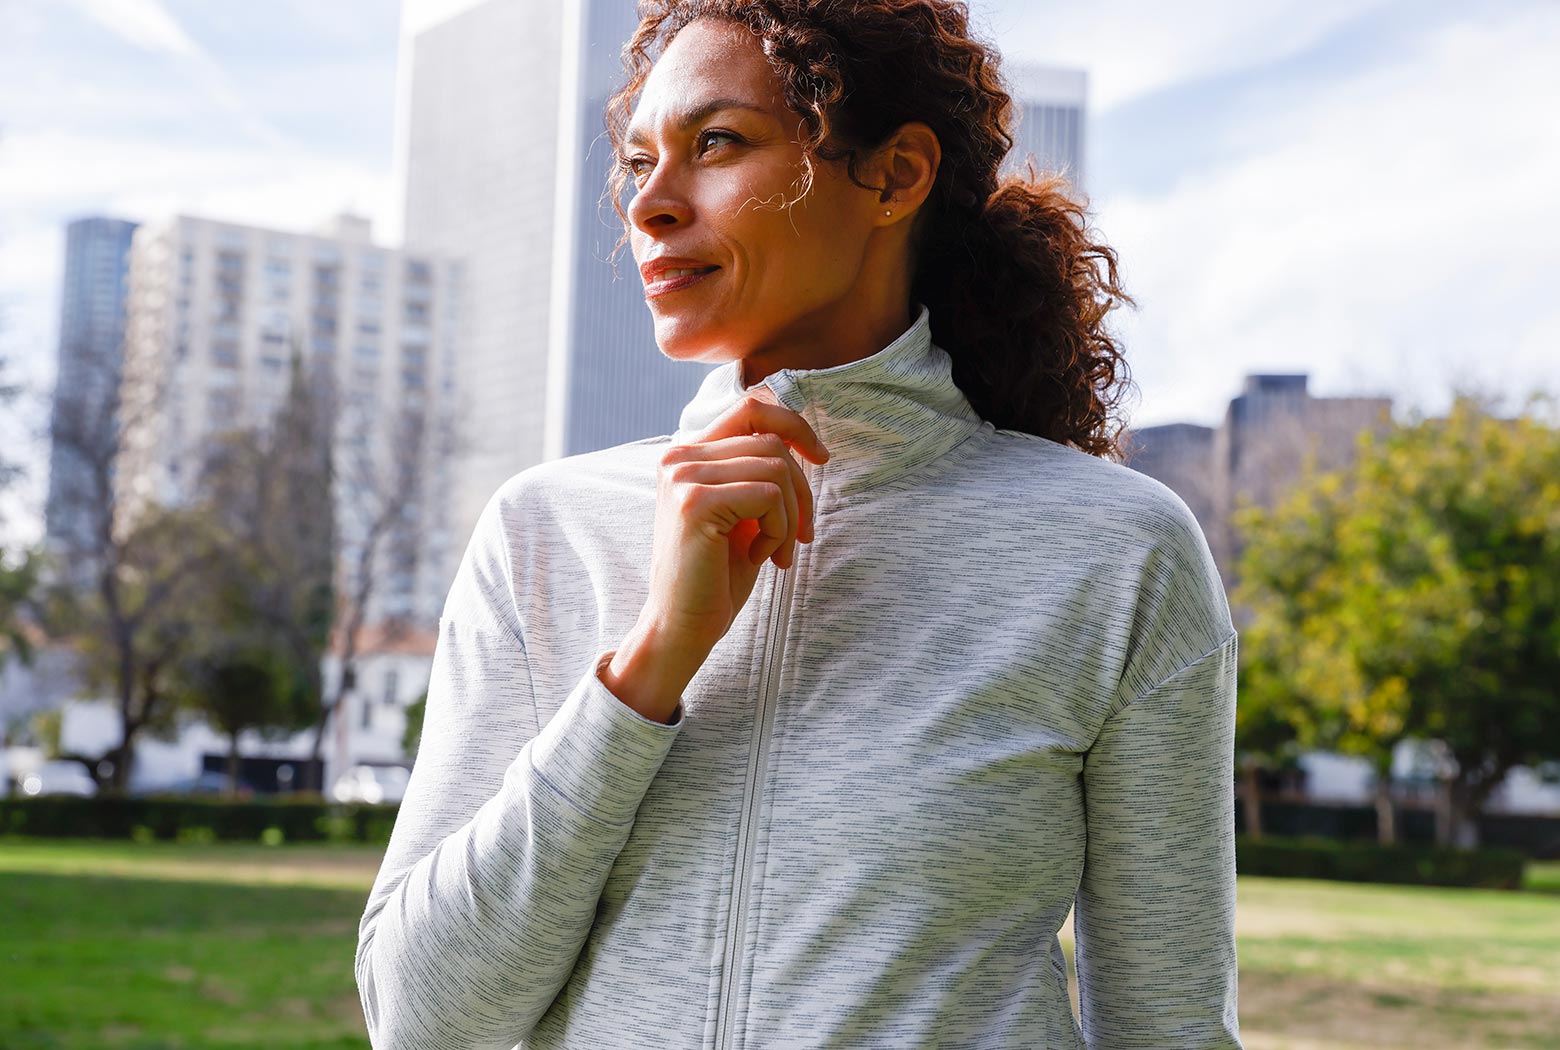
(1411, 864)
(304, 819)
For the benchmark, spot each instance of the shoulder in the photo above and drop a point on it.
(1142, 547)
(528, 514)
(1115, 506)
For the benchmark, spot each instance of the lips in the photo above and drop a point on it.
(671, 266)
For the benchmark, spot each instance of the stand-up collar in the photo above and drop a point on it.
(880, 416)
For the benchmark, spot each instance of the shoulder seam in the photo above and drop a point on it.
(1189, 664)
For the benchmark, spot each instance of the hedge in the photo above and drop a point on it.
(1412, 864)
(306, 818)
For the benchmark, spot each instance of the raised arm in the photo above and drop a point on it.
(1154, 920)
(506, 834)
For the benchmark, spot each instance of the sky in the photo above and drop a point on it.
(1363, 191)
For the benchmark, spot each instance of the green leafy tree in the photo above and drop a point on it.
(131, 629)
(1416, 595)
(412, 736)
(19, 570)
(271, 488)
(238, 673)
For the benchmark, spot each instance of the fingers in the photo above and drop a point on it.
(783, 473)
(724, 507)
(771, 445)
(751, 415)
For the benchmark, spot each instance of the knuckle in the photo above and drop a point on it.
(680, 473)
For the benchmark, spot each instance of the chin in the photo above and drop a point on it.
(682, 341)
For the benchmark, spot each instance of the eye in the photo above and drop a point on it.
(705, 135)
(630, 165)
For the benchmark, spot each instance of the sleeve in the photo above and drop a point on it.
(1154, 920)
(506, 833)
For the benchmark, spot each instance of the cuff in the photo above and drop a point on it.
(599, 753)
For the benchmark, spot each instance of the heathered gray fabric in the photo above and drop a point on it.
(1006, 679)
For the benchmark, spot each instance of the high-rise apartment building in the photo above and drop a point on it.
(506, 164)
(92, 329)
(1051, 106)
(217, 312)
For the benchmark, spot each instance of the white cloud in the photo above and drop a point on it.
(145, 24)
(1131, 48)
(1403, 236)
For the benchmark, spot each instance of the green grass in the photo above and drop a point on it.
(123, 946)
(202, 947)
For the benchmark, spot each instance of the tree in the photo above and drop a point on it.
(384, 500)
(18, 574)
(272, 489)
(240, 674)
(132, 632)
(123, 580)
(412, 736)
(1417, 595)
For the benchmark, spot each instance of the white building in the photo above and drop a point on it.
(215, 313)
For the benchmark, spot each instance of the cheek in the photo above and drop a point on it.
(781, 247)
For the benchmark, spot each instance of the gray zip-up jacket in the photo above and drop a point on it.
(1000, 681)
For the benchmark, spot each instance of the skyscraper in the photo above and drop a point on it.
(92, 331)
(1051, 104)
(610, 382)
(506, 164)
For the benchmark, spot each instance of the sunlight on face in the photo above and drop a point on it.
(715, 155)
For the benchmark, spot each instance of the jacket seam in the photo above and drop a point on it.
(1179, 670)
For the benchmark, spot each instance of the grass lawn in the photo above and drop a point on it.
(121, 946)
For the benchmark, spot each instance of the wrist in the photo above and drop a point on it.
(649, 673)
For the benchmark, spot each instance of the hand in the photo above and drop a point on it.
(726, 501)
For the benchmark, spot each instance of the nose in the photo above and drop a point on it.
(660, 203)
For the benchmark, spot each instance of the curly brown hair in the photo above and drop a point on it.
(1017, 284)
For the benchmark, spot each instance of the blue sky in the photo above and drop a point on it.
(1364, 191)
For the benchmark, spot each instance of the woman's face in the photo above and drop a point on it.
(715, 155)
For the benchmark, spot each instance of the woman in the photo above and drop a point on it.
(669, 795)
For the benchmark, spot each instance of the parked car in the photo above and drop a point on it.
(371, 784)
(206, 782)
(58, 777)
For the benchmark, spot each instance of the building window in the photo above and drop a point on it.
(391, 684)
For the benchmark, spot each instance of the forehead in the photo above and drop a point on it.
(708, 58)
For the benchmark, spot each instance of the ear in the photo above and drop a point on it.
(905, 165)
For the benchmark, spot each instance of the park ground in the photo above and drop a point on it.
(126, 946)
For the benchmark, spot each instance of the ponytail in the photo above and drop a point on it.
(1018, 295)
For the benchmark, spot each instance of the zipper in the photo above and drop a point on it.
(747, 827)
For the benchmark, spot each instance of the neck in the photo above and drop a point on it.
(858, 324)
(882, 415)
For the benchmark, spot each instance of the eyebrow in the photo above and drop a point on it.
(638, 137)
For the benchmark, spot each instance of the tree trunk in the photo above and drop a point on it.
(1461, 816)
(1251, 799)
(232, 765)
(1386, 813)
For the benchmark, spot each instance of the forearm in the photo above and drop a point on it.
(470, 934)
